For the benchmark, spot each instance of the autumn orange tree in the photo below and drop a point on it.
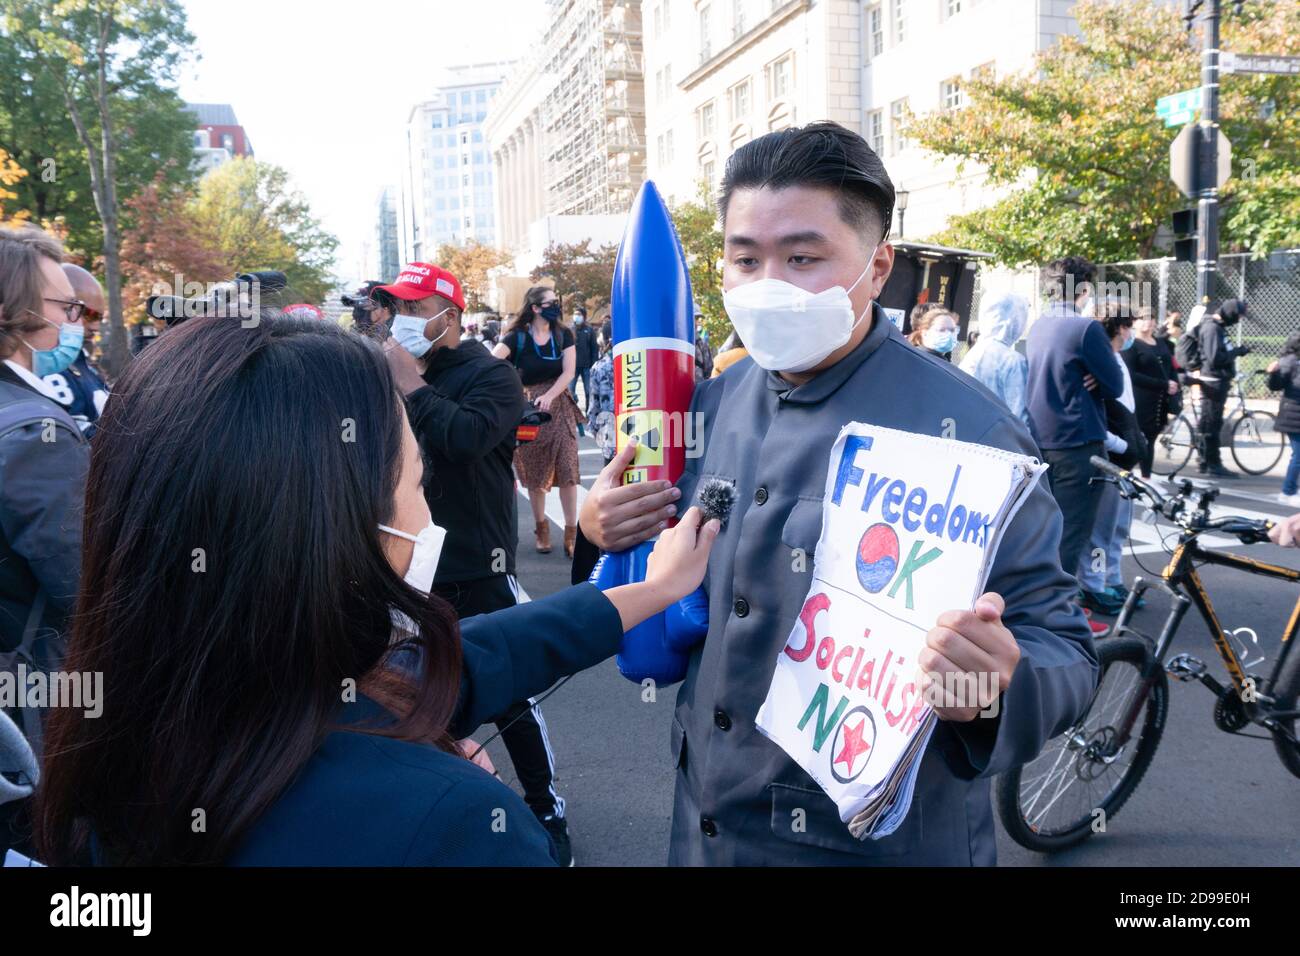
(1077, 142)
(10, 173)
(472, 264)
(161, 246)
(580, 272)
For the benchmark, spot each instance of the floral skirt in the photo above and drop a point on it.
(551, 460)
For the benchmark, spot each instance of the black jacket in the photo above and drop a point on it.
(1218, 358)
(42, 487)
(1287, 381)
(1151, 368)
(586, 349)
(464, 420)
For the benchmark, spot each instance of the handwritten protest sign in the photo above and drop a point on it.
(910, 526)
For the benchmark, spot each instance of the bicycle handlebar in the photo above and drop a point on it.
(1249, 530)
(1124, 476)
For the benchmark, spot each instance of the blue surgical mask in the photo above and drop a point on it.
(49, 361)
(409, 332)
(941, 342)
(1128, 343)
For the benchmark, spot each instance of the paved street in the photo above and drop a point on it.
(1209, 798)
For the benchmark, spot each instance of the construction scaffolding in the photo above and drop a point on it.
(594, 153)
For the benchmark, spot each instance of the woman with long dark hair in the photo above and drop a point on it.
(278, 688)
(1151, 367)
(542, 350)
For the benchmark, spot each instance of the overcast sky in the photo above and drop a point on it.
(323, 87)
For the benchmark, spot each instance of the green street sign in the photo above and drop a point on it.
(1180, 108)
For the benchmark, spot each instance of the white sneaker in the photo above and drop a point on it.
(1291, 501)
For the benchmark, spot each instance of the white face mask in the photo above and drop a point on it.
(409, 332)
(788, 329)
(424, 559)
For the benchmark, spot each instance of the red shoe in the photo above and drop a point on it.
(1098, 629)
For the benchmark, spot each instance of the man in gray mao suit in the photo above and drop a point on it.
(809, 208)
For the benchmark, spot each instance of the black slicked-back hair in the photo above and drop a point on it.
(823, 155)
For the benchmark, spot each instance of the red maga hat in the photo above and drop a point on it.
(419, 280)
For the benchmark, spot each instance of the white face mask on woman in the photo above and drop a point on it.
(788, 329)
(424, 558)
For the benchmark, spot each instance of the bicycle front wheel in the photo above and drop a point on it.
(1174, 447)
(1256, 443)
(1081, 779)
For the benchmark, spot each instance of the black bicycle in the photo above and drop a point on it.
(1087, 773)
(1250, 435)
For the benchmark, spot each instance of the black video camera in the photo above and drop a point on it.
(240, 298)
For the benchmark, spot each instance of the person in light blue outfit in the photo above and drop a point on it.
(994, 362)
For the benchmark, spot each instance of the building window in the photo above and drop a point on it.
(705, 120)
(739, 137)
(876, 131)
(706, 39)
(876, 30)
(739, 97)
(665, 148)
(899, 33)
(480, 96)
(706, 170)
(897, 116)
(437, 121)
(228, 142)
(950, 94)
(778, 78)
(780, 117)
(737, 18)
(985, 72)
(663, 84)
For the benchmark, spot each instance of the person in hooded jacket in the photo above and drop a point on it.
(994, 361)
(1284, 377)
(1218, 368)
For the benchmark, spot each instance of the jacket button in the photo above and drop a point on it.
(708, 826)
(760, 496)
(721, 719)
(741, 607)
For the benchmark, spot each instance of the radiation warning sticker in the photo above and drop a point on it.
(647, 427)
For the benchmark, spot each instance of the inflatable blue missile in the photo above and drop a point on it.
(653, 331)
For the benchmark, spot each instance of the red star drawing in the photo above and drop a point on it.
(853, 745)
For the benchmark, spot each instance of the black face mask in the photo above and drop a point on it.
(552, 312)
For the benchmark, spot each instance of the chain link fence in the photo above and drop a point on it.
(1271, 286)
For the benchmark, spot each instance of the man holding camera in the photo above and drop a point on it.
(464, 407)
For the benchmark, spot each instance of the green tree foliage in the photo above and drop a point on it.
(697, 227)
(1076, 141)
(257, 220)
(104, 69)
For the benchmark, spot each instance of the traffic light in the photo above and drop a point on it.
(1185, 235)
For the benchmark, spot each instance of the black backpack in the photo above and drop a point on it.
(1188, 351)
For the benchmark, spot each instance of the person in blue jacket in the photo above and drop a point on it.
(278, 687)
